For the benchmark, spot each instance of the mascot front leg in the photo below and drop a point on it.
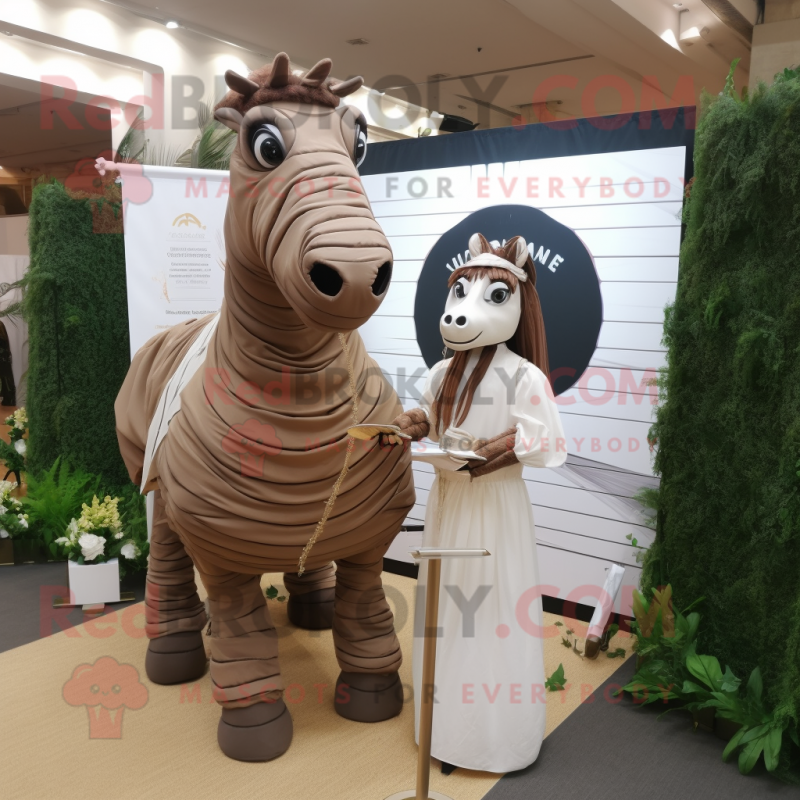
(367, 648)
(255, 723)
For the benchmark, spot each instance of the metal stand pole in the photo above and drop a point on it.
(433, 557)
(428, 686)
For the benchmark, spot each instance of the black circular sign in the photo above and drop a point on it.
(566, 279)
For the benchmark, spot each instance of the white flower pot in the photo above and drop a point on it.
(93, 583)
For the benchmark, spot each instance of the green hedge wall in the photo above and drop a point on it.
(729, 427)
(77, 313)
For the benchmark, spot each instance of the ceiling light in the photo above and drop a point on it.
(172, 24)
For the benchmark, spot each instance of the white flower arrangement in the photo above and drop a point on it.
(94, 537)
(97, 536)
(18, 420)
(13, 452)
(13, 520)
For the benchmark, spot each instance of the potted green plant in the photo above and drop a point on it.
(94, 545)
(664, 640)
(670, 669)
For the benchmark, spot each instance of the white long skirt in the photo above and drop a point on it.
(489, 711)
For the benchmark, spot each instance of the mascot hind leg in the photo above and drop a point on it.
(311, 596)
(174, 615)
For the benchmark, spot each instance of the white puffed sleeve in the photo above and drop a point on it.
(432, 384)
(540, 438)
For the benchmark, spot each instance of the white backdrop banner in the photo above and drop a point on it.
(174, 246)
(625, 209)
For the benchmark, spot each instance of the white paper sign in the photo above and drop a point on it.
(174, 246)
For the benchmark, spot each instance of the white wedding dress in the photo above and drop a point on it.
(489, 711)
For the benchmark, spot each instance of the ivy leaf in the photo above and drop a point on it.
(271, 592)
(618, 653)
(566, 642)
(556, 682)
(282, 599)
(730, 683)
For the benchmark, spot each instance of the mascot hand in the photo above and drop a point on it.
(414, 423)
(498, 452)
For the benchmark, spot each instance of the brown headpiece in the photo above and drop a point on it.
(275, 81)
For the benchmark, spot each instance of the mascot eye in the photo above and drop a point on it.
(267, 145)
(497, 293)
(360, 152)
(461, 288)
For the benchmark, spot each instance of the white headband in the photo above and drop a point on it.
(480, 259)
(491, 260)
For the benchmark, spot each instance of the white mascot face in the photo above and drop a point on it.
(480, 312)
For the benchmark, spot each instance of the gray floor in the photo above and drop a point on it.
(26, 600)
(607, 751)
(602, 751)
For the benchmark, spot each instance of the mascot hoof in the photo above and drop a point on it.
(259, 732)
(312, 611)
(364, 697)
(177, 658)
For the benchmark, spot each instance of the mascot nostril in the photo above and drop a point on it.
(448, 319)
(381, 282)
(326, 279)
(461, 321)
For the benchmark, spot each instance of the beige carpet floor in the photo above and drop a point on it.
(168, 748)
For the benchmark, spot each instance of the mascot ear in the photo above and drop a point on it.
(517, 251)
(229, 117)
(244, 86)
(478, 245)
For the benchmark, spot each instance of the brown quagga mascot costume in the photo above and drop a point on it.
(238, 422)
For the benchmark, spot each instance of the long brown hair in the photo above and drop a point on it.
(529, 340)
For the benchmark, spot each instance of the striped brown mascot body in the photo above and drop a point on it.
(258, 400)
